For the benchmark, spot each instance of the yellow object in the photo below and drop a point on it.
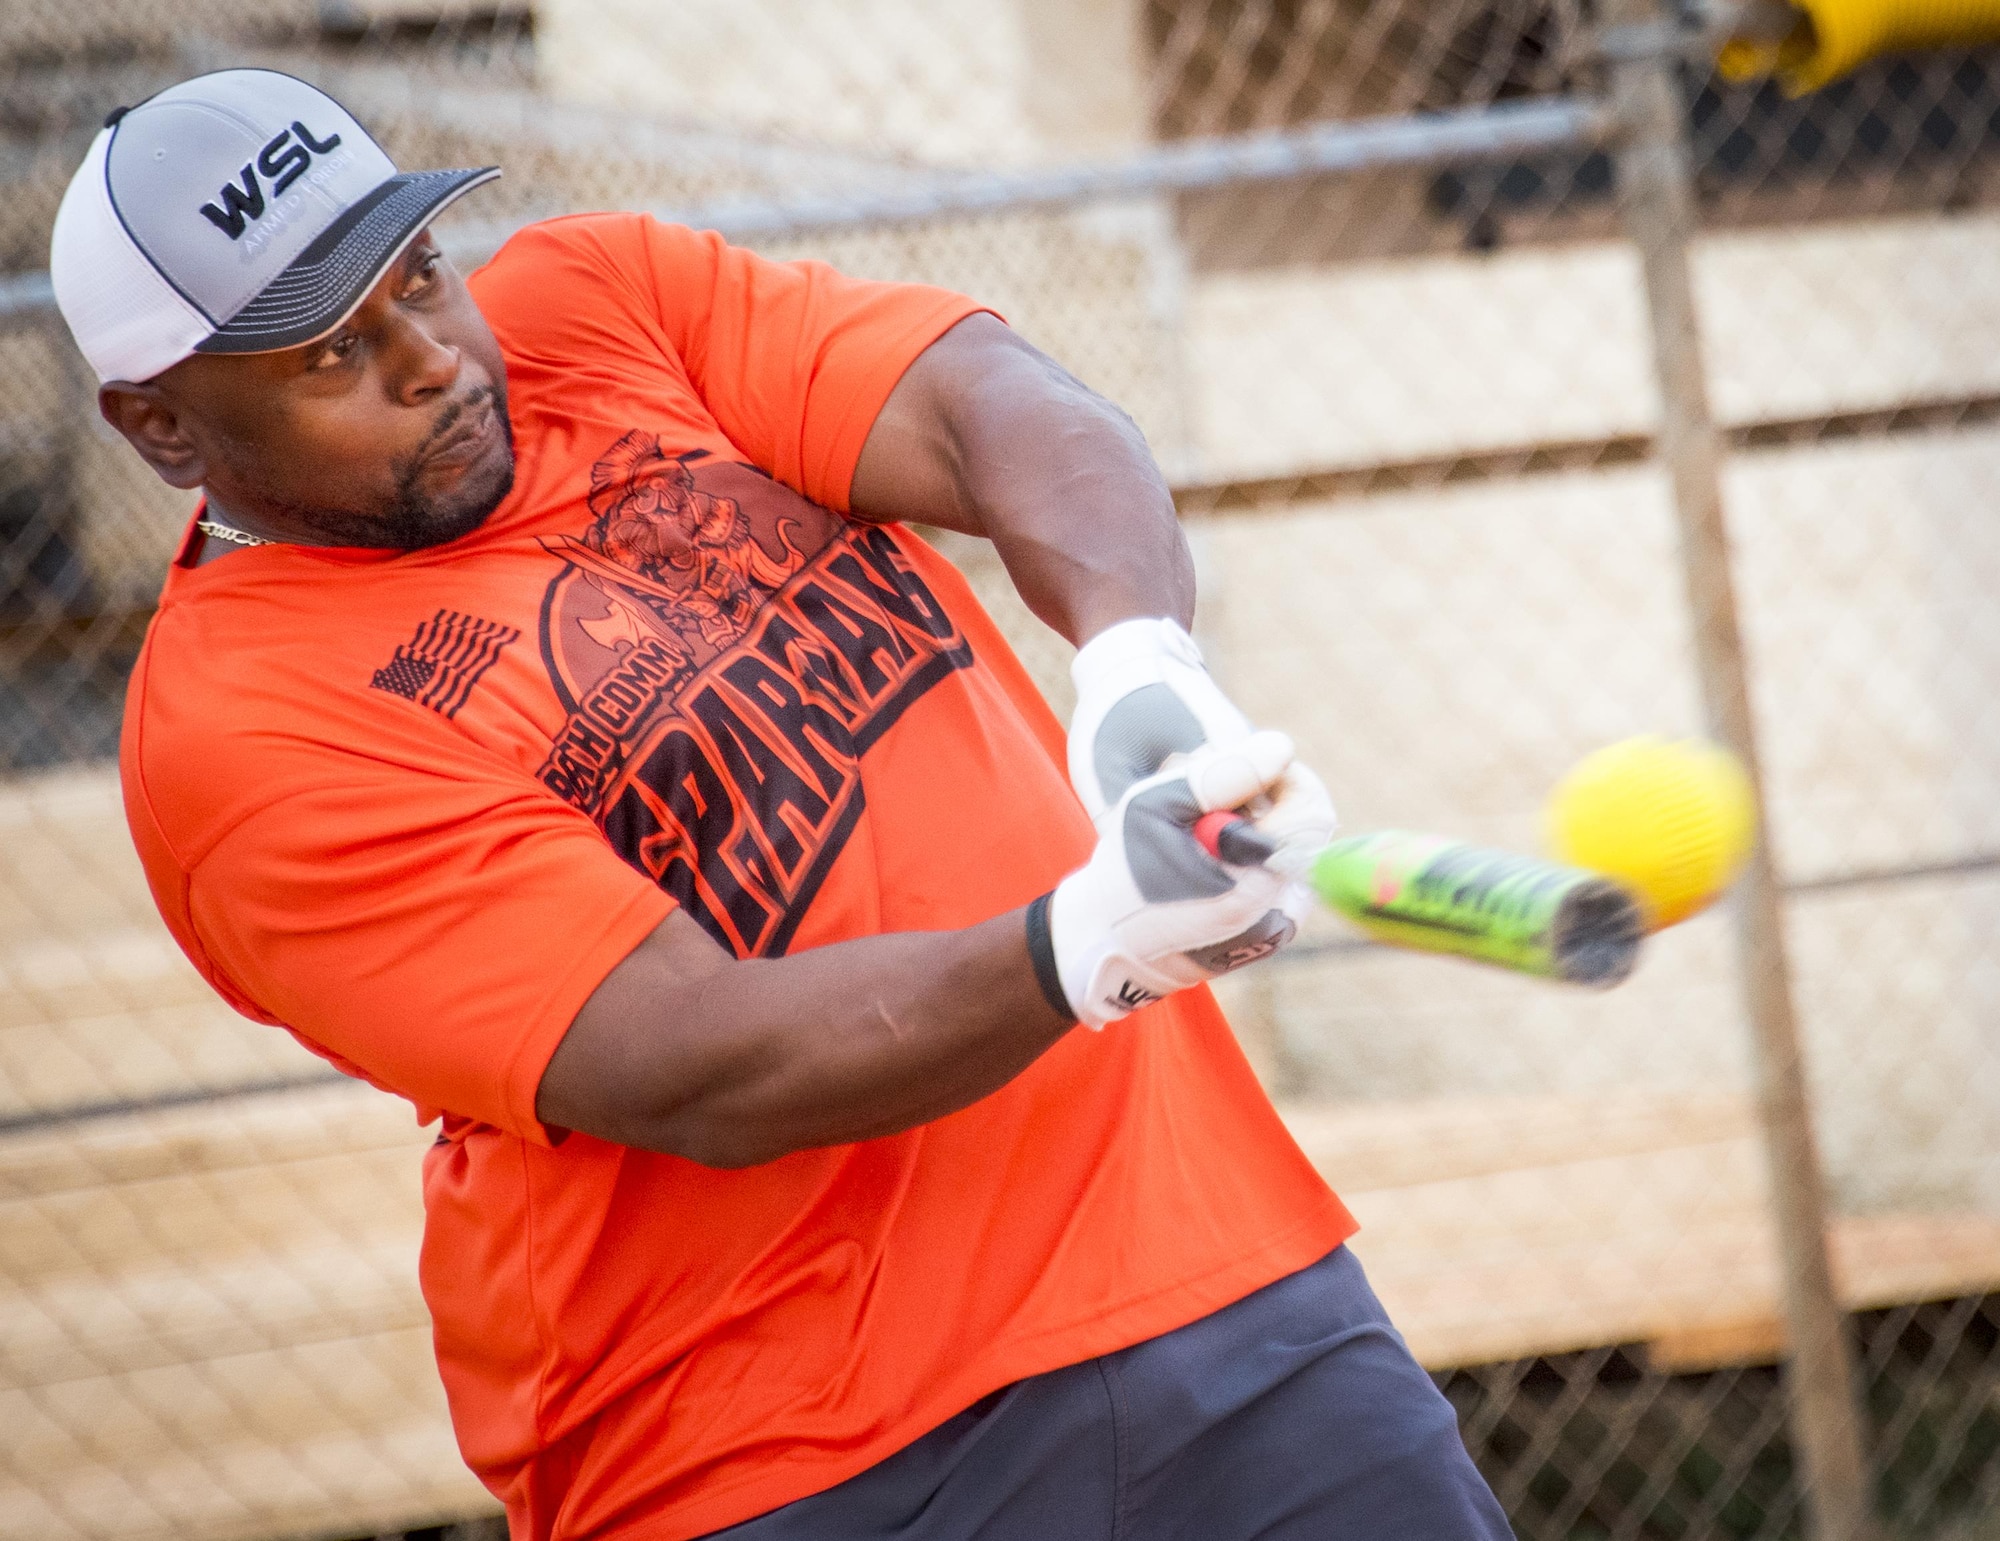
(1672, 820)
(1835, 36)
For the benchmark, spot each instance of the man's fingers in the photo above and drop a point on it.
(1298, 901)
(1229, 776)
(1300, 819)
(1152, 911)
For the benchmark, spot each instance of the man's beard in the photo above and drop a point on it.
(414, 520)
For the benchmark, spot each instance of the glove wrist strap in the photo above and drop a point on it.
(1130, 643)
(1042, 953)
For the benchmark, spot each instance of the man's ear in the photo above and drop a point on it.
(153, 428)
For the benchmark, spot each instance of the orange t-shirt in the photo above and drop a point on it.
(414, 807)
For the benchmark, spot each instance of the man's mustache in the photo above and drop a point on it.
(448, 418)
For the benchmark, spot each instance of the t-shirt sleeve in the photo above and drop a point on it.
(435, 932)
(794, 359)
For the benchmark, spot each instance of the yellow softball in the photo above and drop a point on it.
(1673, 820)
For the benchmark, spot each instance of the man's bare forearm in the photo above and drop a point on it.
(1068, 493)
(733, 1063)
(989, 437)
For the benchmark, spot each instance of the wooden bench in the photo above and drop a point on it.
(210, 1325)
(1500, 1229)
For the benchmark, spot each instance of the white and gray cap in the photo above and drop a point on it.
(238, 212)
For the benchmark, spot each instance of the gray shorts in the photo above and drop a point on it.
(1295, 1413)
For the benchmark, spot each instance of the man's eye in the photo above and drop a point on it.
(426, 272)
(332, 351)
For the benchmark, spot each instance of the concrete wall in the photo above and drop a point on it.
(1313, 368)
(939, 80)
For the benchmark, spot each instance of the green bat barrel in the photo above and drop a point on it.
(1444, 896)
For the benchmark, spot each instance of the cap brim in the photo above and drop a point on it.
(333, 275)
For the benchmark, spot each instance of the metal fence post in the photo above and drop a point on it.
(1656, 185)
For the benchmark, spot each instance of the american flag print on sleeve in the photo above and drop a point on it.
(439, 665)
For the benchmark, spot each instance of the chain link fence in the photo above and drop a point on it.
(1411, 412)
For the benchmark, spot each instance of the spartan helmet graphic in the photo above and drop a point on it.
(653, 520)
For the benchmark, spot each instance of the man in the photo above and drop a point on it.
(549, 720)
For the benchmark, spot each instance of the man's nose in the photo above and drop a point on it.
(420, 366)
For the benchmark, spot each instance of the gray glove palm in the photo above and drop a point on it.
(1143, 697)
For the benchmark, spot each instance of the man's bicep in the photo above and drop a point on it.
(439, 934)
(794, 359)
(912, 462)
(635, 1053)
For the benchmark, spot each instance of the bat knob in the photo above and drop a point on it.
(1209, 827)
(1228, 836)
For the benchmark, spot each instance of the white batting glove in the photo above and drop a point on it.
(1297, 817)
(1141, 695)
(1152, 912)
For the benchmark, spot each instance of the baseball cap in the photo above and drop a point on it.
(238, 212)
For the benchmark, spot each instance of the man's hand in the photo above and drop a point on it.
(1143, 696)
(1152, 912)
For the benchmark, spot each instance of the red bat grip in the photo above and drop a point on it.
(1228, 836)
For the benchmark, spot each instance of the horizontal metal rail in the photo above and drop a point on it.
(161, 1102)
(25, 294)
(1507, 462)
(1193, 165)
